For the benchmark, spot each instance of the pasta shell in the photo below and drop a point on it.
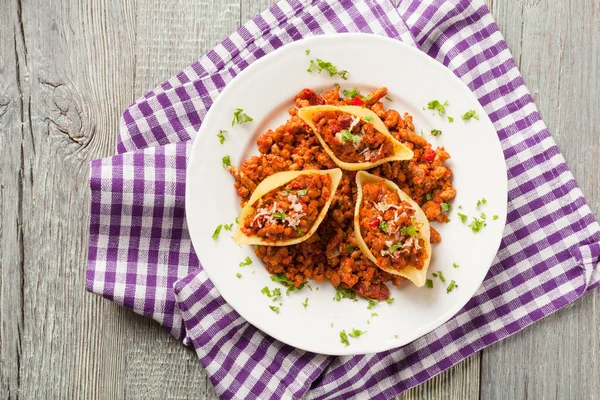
(401, 152)
(417, 276)
(272, 183)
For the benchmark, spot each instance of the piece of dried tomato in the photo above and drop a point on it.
(429, 155)
(357, 102)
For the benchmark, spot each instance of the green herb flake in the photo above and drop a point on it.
(246, 262)
(429, 196)
(429, 283)
(351, 93)
(410, 230)
(356, 333)
(395, 247)
(299, 231)
(483, 216)
(302, 192)
(215, 235)
(390, 300)
(451, 286)
(368, 118)
(239, 275)
(327, 66)
(279, 215)
(476, 224)
(434, 275)
(388, 98)
(349, 249)
(266, 291)
(293, 288)
(226, 161)
(341, 293)
(462, 217)
(331, 324)
(374, 314)
(495, 217)
(228, 226)
(221, 136)
(439, 107)
(383, 226)
(281, 278)
(347, 136)
(372, 304)
(436, 132)
(237, 220)
(455, 265)
(481, 202)
(445, 207)
(421, 132)
(239, 117)
(275, 309)
(470, 114)
(344, 338)
(307, 52)
(450, 119)
(396, 336)
(441, 277)
(305, 303)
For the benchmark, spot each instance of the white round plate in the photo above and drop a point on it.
(265, 90)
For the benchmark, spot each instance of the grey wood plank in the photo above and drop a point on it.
(557, 47)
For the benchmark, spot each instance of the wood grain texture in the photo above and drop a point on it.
(68, 69)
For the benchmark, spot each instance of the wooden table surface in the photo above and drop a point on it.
(67, 71)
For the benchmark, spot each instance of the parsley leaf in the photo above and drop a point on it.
(481, 202)
(356, 333)
(409, 230)
(239, 275)
(477, 224)
(451, 286)
(429, 283)
(436, 132)
(237, 220)
(215, 235)
(439, 107)
(390, 300)
(221, 136)
(351, 93)
(445, 207)
(374, 314)
(281, 278)
(450, 119)
(279, 215)
(470, 114)
(302, 192)
(293, 288)
(395, 247)
(455, 265)
(495, 217)
(368, 118)
(226, 161)
(305, 304)
(462, 217)
(344, 338)
(349, 249)
(441, 276)
(228, 227)
(383, 226)
(246, 262)
(299, 231)
(307, 51)
(372, 303)
(429, 196)
(347, 136)
(266, 291)
(341, 293)
(327, 66)
(274, 309)
(239, 117)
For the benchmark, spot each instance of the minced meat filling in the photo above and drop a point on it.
(389, 228)
(332, 252)
(290, 210)
(352, 139)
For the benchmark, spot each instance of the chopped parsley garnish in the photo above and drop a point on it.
(455, 265)
(281, 278)
(356, 333)
(246, 262)
(215, 235)
(274, 309)
(237, 220)
(429, 196)
(368, 118)
(347, 136)
(441, 276)
(221, 136)
(429, 283)
(228, 226)
(451, 286)
(293, 288)
(267, 292)
(351, 93)
(331, 324)
(450, 119)
(436, 132)
(462, 217)
(372, 303)
(439, 107)
(477, 224)
(395, 247)
(483, 216)
(390, 300)
(341, 293)
(305, 303)
(344, 338)
(396, 336)
(388, 98)
(460, 207)
(302, 192)
(327, 66)
(279, 215)
(349, 249)
(239, 275)
(421, 132)
(495, 217)
(239, 117)
(383, 226)
(307, 51)
(470, 114)
(434, 275)
(409, 230)
(374, 314)
(299, 231)
(481, 202)
(226, 161)
(445, 207)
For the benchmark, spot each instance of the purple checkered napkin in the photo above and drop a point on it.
(140, 253)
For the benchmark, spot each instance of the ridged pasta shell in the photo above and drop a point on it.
(417, 276)
(273, 182)
(401, 152)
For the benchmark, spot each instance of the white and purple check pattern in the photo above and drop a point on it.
(140, 253)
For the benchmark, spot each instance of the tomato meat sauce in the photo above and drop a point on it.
(332, 252)
(389, 228)
(351, 138)
(290, 210)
